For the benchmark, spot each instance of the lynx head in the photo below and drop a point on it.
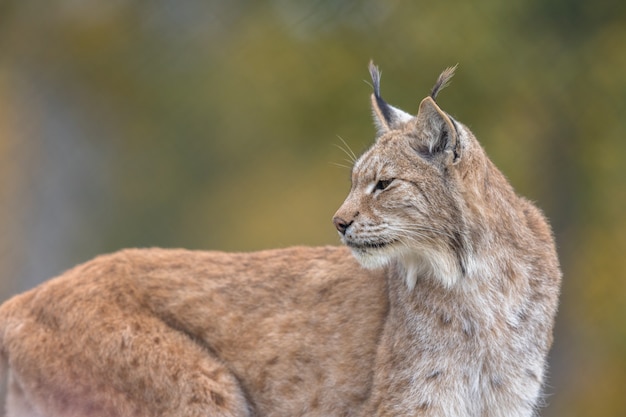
(408, 200)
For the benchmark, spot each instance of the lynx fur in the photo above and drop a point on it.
(445, 309)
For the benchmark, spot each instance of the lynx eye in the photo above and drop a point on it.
(382, 184)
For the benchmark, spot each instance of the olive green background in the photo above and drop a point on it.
(217, 125)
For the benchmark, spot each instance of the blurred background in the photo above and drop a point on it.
(212, 124)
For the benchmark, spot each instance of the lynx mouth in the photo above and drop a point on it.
(363, 246)
(373, 255)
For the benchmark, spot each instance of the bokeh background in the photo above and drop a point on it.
(214, 124)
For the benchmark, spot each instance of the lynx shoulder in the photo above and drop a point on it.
(441, 303)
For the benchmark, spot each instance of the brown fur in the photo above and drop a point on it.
(454, 318)
(173, 332)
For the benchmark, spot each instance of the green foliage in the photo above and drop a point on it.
(214, 124)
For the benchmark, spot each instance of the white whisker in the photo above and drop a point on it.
(348, 150)
(340, 165)
(409, 233)
(412, 228)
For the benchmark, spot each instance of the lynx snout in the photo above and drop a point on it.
(346, 215)
(341, 225)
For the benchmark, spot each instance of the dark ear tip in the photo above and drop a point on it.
(443, 81)
(375, 74)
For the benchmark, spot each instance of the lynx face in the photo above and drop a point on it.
(406, 201)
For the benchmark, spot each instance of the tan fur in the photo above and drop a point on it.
(453, 318)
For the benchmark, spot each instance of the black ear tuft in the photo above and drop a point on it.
(375, 74)
(386, 117)
(381, 105)
(443, 81)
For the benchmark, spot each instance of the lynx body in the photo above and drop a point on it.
(448, 312)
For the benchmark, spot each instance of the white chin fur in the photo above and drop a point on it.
(373, 258)
(441, 265)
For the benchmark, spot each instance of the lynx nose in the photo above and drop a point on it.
(341, 224)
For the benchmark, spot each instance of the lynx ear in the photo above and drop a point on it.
(386, 117)
(435, 131)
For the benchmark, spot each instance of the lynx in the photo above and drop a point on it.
(441, 303)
